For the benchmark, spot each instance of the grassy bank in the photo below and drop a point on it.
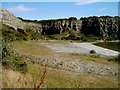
(54, 78)
(22, 67)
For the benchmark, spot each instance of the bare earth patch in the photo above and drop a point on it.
(84, 48)
(67, 69)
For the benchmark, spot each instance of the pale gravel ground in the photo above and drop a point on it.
(79, 66)
(81, 48)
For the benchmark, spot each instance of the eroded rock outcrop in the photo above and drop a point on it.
(33, 26)
(9, 19)
(59, 26)
(99, 26)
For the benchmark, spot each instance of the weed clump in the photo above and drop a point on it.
(92, 51)
(41, 80)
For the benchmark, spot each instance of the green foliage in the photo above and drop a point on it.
(12, 60)
(10, 34)
(92, 51)
(32, 21)
(72, 18)
(96, 17)
(105, 17)
(110, 38)
(9, 58)
(6, 49)
(95, 56)
(107, 38)
(52, 36)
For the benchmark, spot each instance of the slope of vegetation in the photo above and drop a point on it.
(12, 60)
(54, 78)
(20, 72)
(11, 34)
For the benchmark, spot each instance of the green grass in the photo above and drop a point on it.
(30, 49)
(54, 78)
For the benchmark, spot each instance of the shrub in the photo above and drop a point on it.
(10, 34)
(12, 60)
(92, 51)
(72, 18)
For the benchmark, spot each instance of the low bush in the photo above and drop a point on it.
(92, 51)
(10, 34)
(12, 60)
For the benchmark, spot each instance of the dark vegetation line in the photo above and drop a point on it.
(71, 18)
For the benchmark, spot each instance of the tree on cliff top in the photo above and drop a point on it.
(72, 18)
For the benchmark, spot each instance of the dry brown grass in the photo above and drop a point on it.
(54, 78)
(0, 76)
(41, 79)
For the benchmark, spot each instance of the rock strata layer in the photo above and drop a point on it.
(101, 27)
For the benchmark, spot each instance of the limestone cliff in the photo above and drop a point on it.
(97, 26)
(101, 27)
(59, 26)
(104, 27)
(9, 19)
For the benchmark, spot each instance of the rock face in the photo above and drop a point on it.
(107, 27)
(33, 26)
(101, 27)
(59, 26)
(11, 20)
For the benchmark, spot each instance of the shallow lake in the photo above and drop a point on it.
(110, 45)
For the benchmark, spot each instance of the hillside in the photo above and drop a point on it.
(46, 54)
(104, 26)
(12, 21)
